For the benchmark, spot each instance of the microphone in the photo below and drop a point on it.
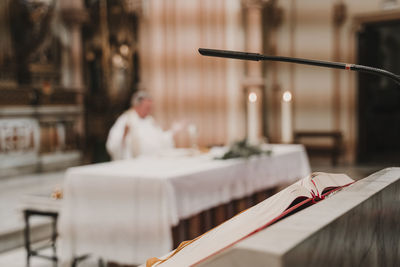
(320, 63)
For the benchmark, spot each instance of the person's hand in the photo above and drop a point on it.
(126, 131)
(177, 126)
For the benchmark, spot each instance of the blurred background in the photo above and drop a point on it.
(68, 69)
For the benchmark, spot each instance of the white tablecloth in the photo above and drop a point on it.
(123, 211)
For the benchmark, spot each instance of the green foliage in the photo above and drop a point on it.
(242, 149)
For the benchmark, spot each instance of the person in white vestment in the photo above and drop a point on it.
(136, 133)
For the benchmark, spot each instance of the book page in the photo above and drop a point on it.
(238, 227)
(307, 183)
(322, 181)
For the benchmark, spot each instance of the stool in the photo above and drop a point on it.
(36, 252)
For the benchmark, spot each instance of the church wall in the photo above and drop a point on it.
(185, 86)
(209, 93)
(308, 31)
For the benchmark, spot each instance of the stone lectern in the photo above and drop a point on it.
(358, 226)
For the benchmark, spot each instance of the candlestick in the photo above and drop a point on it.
(286, 122)
(252, 119)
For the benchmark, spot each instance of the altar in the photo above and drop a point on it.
(124, 211)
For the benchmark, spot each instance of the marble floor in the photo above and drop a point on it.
(17, 258)
(11, 190)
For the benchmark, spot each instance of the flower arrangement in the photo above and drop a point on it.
(242, 149)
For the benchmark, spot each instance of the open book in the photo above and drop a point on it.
(299, 195)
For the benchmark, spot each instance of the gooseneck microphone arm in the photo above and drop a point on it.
(326, 64)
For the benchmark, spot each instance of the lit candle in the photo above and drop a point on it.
(252, 119)
(286, 121)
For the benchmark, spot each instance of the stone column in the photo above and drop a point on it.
(253, 84)
(73, 15)
(339, 18)
(272, 22)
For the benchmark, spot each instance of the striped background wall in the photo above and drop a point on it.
(184, 85)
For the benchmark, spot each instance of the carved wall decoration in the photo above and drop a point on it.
(29, 24)
(19, 136)
(19, 142)
(40, 119)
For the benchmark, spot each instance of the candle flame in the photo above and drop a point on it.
(252, 97)
(287, 96)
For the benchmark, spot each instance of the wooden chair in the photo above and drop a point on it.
(334, 149)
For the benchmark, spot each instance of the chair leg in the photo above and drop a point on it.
(27, 238)
(54, 240)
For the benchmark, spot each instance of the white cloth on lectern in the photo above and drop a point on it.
(145, 137)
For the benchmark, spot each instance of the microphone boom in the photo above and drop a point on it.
(320, 63)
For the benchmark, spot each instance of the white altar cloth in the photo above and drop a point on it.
(123, 211)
